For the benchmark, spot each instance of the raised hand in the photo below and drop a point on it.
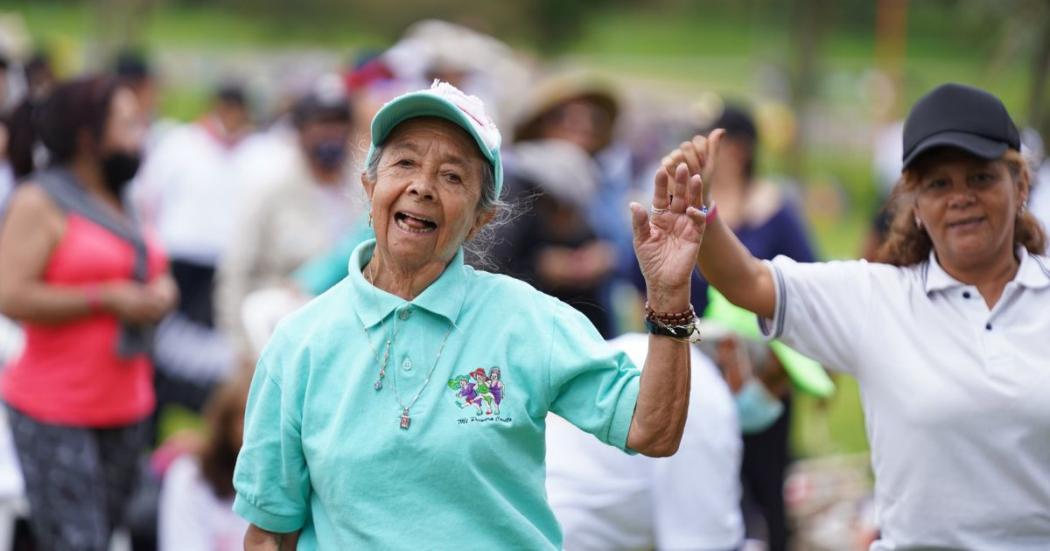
(699, 156)
(667, 237)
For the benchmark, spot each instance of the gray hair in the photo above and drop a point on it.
(478, 247)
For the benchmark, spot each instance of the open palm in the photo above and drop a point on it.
(667, 238)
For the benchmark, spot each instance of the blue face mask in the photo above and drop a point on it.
(329, 154)
(756, 408)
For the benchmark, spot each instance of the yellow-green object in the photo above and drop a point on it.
(806, 374)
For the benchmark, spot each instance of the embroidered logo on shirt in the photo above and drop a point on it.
(480, 390)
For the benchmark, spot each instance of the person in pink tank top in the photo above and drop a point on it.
(87, 284)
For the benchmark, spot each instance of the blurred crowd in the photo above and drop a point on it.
(240, 216)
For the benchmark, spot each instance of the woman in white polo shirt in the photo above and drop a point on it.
(949, 338)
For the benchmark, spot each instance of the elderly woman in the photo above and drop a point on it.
(948, 338)
(354, 436)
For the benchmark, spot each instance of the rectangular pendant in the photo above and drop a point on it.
(405, 420)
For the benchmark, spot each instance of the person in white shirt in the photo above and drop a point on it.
(606, 500)
(304, 210)
(196, 499)
(948, 339)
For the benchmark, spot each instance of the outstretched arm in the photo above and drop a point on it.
(666, 242)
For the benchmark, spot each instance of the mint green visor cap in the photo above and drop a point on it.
(445, 101)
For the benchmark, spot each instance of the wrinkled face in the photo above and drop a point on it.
(426, 192)
(968, 206)
(125, 129)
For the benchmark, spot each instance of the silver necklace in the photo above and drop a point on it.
(405, 419)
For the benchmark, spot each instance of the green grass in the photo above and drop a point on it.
(175, 419)
(829, 427)
(203, 26)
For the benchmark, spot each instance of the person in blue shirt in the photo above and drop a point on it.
(406, 406)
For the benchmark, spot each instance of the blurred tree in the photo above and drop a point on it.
(118, 24)
(809, 23)
(549, 24)
(1039, 99)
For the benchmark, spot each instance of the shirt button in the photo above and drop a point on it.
(405, 313)
(966, 294)
(988, 327)
(406, 365)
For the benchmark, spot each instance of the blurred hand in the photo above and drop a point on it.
(733, 361)
(165, 289)
(593, 262)
(137, 304)
(554, 266)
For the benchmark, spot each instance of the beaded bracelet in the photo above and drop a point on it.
(675, 318)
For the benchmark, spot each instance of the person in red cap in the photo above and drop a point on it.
(947, 336)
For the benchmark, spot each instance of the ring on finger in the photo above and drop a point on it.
(655, 210)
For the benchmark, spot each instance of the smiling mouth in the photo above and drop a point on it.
(413, 223)
(966, 223)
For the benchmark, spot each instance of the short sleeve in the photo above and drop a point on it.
(593, 385)
(821, 308)
(271, 477)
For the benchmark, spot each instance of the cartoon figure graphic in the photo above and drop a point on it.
(495, 388)
(479, 388)
(466, 392)
(484, 390)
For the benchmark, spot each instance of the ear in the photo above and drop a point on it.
(480, 221)
(1024, 186)
(368, 184)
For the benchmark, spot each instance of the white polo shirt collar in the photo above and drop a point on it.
(1032, 274)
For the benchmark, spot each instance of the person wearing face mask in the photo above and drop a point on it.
(302, 212)
(765, 370)
(88, 283)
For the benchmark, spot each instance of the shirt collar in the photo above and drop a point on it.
(1033, 273)
(443, 297)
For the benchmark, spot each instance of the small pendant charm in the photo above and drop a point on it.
(379, 385)
(405, 420)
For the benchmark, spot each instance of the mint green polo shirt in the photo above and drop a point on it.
(324, 452)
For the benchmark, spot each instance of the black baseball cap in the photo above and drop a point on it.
(737, 122)
(959, 116)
